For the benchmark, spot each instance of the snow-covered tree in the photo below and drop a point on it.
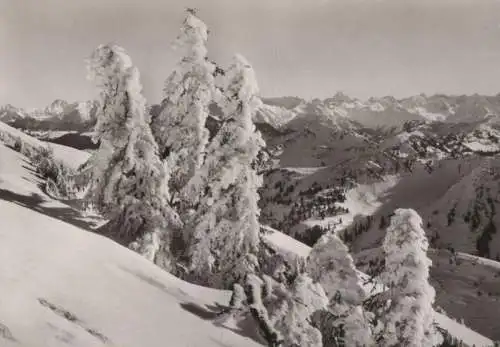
(225, 228)
(304, 300)
(282, 313)
(179, 129)
(331, 265)
(128, 183)
(409, 317)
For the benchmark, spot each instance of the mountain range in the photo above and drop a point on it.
(385, 112)
(59, 115)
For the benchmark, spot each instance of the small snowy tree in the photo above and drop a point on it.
(331, 265)
(282, 313)
(225, 228)
(305, 299)
(179, 129)
(128, 183)
(409, 317)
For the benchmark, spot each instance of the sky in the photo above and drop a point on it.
(305, 48)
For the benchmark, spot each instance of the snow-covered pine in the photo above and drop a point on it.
(331, 265)
(225, 228)
(409, 318)
(179, 128)
(304, 300)
(128, 184)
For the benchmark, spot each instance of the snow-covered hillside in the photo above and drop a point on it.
(62, 285)
(458, 201)
(72, 157)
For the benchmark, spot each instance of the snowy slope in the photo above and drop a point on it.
(61, 285)
(362, 200)
(484, 261)
(72, 157)
(445, 198)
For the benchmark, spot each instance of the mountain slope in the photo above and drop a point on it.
(457, 201)
(70, 156)
(62, 285)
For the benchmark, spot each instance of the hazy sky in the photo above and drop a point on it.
(308, 48)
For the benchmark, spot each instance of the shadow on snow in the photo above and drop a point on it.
(35, 203)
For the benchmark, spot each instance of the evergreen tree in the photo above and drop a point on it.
(128, 183)
(305, 299)
(282, 313)
(409, 317)
(225, 228)
(179, 128)
(345, 323)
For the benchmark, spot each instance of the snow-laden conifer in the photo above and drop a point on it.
(409, 317)
(179, 129)
(305, 299)
(128, 183)
(331, 265)
(226, 227)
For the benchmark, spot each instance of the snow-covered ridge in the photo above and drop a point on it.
(475, 259)
(427, 115)
(389, 111)
(275, 116)
(278, 112)
(59, 115)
